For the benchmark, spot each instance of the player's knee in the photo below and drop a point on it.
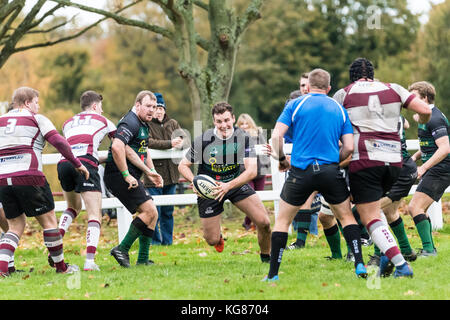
(263, 225)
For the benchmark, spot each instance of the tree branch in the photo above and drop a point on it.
(251, 14)
(50, 43)
(201, 4)
(119, 19)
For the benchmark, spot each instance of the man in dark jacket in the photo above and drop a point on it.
(163, 135)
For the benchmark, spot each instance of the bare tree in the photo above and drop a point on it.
(16, 24)
(209, 81)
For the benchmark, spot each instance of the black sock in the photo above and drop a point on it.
(352, 235)
(279, 240)
(265, 257)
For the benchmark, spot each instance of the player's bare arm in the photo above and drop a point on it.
(119, 154)
(277, 146)
(347, 147)
(422, 109)
(442, 152)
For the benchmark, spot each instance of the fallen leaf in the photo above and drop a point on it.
(324, 284)
(409, 293)
(202, 254)
(226, 281)
(337, 284)
(25, 277)
(87, 295)
(104, 285)
(163, 253)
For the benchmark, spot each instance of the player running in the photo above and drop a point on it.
(220, 153)
(434, 173)
(24, 190)
(374, 109)
(84, 132)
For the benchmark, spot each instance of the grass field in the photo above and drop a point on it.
(191, 270)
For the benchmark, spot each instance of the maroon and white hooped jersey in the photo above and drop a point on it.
(85, 131)
(374, 109)
(21, 142)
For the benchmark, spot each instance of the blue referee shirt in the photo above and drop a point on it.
(317, 123)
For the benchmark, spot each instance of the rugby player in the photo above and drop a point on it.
(220, 153)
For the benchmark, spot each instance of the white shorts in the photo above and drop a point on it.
(325, 207)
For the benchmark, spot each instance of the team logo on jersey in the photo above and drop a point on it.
(213, 152)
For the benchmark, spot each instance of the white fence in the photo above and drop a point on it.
(124, 217)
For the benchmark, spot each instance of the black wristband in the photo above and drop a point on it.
(282, 158)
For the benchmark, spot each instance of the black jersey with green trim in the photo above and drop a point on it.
(221, 159)
(405, 153)
(436, 128)
(134, 133)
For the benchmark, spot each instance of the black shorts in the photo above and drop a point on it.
(434, 183)
(132, 198)
(327, 179)
(208, 208)
(72, 180)
(31, 200)
(406, 179)
(372, 184)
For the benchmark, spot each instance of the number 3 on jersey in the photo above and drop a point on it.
(11, 126)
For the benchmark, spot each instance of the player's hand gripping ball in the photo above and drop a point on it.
(204, 185)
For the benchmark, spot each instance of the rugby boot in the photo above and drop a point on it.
(386, 267)
(404, 270)
(267, 279)
(361, 271)
(121, 257)
(221, 245)
(424, 253)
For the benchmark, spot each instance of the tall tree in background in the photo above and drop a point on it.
(433, 48)
(16, 24)
(307, 34)
(209, 81)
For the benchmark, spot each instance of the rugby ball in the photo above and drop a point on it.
(204, 185)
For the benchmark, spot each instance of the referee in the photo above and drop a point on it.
(318, 123)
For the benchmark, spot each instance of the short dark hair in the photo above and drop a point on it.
(221, 107)
(425, 89)
(88, 98)
(294, 94)
(361, 68)
(304, 75)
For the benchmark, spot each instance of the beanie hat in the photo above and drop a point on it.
(160, 100)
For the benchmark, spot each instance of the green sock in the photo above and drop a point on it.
(376, 250)
(423, 226)
(133, 233)
(302, 221)
(144, 247)
(399, 231)
(431, 233)
(334, 241)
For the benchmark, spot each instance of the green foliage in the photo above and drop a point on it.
(137, 60)
(434, 49)
(298, 36)
(68, 69)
